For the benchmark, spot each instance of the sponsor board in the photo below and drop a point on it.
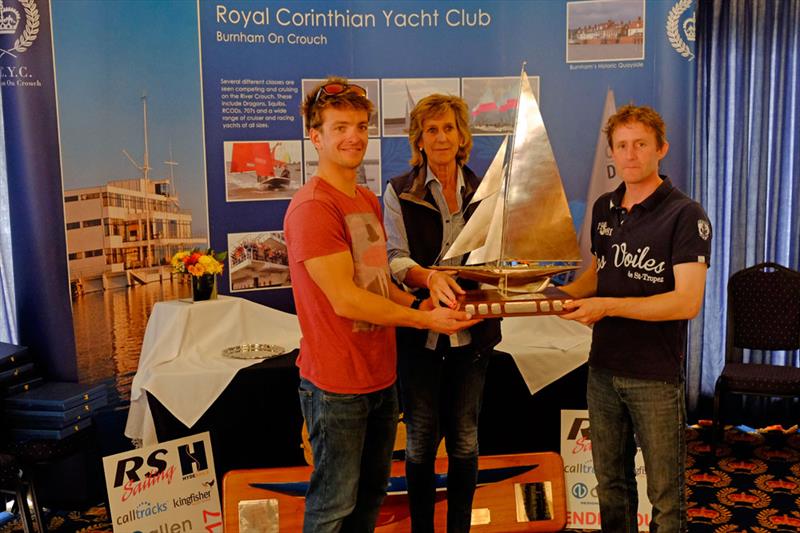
(583, 510)
(169, 487)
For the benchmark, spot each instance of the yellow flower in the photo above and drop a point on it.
(177, 261)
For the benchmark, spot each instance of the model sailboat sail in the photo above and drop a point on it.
(522, 231)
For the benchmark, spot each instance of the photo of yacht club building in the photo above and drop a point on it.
(124, 233)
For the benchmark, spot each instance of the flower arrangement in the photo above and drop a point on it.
(199, 263)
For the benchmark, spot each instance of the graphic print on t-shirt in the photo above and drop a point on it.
(369, 258)
(640, 266)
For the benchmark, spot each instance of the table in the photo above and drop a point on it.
(256, 421)
(184, 386)
(181, 362)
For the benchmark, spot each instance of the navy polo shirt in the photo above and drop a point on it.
(635, 254)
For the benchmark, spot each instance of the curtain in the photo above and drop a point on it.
(746, 159)
(8, 314)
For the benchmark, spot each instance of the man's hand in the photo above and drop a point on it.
(681, 303)
(443, 288)
(447, 321)
(586, 311)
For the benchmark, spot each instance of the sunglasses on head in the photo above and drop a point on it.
(336, 89)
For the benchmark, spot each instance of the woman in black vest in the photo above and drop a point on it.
(441, 378)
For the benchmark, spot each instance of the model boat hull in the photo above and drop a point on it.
(508, 277)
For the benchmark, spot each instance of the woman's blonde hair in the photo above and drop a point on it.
(433, 106)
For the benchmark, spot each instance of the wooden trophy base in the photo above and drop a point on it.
(492, 303)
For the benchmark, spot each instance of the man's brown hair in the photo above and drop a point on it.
(433, 106)
(316, 101)
(633, 113)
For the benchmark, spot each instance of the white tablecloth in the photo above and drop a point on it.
(181, 362)
(545, 348)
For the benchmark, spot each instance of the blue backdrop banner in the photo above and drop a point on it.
(179, 127)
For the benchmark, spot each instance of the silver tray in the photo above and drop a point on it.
(253, 351)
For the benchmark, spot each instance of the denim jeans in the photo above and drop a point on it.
(441, 392)
(352, 437)
(655, 412)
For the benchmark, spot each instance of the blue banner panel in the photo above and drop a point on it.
(259, 59)
(34, 188)
(180, 128)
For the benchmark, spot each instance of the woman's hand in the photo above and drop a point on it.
(443, 288)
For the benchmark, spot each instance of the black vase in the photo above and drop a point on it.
(204, 288)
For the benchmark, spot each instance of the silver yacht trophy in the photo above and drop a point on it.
(521, 234)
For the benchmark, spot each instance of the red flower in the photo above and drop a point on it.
(192, 259)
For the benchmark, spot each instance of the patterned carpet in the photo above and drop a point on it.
(93, 520)
(749, 484)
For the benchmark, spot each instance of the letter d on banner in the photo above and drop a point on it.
(604, 179)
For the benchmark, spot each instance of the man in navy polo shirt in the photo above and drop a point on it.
(651, 246)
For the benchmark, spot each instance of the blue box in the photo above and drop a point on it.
(33, 419)
(23, 386)
(22, 434)
(15, 375)
(56, 396)
(12, 355)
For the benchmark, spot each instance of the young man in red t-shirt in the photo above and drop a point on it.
(347, 307)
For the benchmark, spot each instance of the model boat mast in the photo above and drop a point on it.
(522, 231)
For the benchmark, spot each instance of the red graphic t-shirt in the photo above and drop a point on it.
(338, 354)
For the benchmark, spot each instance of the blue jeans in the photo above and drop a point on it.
(352, 437)
(442, 392)
(655, 412)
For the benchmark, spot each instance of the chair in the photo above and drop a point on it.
(763, 314)
(13, 480)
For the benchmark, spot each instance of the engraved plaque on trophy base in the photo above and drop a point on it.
(492, 303)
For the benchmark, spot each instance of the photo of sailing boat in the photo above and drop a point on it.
(492, 103)
(401, 95)
(262, 170)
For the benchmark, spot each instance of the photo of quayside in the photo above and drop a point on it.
(605, 31)
(262, 170)
(492, 103)
(120, 239)
(258, 261)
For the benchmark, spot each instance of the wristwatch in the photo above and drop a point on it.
(416, 303)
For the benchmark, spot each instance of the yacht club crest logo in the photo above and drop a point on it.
(704, 229)
(10, 19)
(688, 26)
